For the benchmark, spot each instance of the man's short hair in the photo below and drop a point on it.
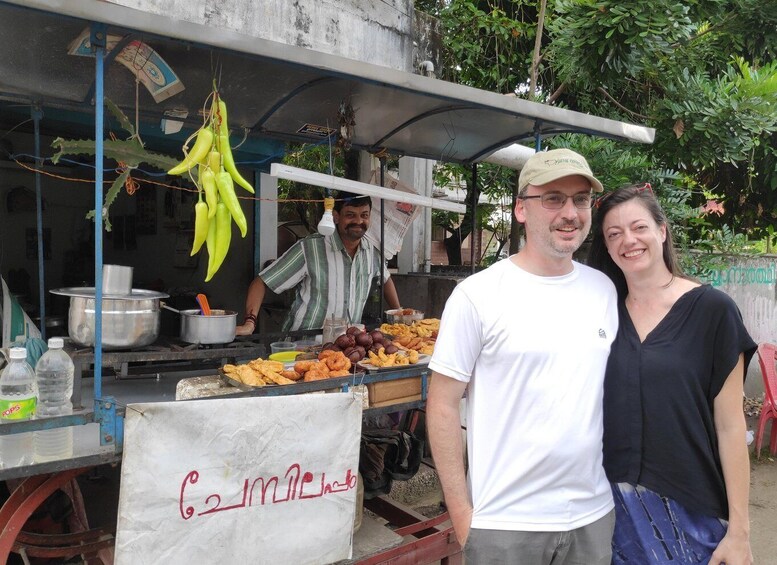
(547, 166)
(350, 199)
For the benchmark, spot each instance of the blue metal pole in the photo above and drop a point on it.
(98, 44)
(111, 423)
(37, 114)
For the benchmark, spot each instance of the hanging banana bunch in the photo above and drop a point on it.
(216, 178)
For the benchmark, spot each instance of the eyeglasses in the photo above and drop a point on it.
(637, 190)
(557, 200)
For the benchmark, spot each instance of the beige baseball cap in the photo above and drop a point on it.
(547, 166)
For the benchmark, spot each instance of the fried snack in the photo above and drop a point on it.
(247, 375)
(430, 323)
(326, 353)
(422, 331)
(277, 378)
(301, 367)
(262, 365)
(291, 375)
(317, 372)
(422, 345)
(334, 374)
(381, 359)
(412, 356)
(229, 369)
(397, 330)
(335, 360)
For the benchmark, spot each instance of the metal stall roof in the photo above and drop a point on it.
(273, 89)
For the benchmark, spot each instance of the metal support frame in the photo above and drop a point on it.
(24, 501)
(474, 218)
(37, 114)
(257, 209)
(111, 425)
(434, 541)
(537, 135)
(382, 235)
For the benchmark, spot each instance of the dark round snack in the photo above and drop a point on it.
(355, 356)
(386, 342)
(364, 339)
(344, 341)
(375, 348)
(329, 346)
(391, 349)
(362, 351)
(377, 336)
(352, 330)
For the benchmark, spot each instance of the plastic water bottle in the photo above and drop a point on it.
(18, 399)
(54, 375)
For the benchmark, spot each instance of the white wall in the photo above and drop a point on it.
(752, 283)
(376, 31)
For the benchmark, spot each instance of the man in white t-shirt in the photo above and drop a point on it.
(528, 340)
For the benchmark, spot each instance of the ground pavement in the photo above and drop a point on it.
(763, 502)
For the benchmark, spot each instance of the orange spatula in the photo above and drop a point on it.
(202, 300)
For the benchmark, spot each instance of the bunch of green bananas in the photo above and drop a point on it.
(216, 178)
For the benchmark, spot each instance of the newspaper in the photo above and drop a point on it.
(399, 216)
(145, 63)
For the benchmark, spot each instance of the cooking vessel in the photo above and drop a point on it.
(219, 327)
(117, 280)
(127, 321)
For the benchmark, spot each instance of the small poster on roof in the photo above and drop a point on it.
(145, 63)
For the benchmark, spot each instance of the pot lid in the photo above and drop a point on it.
(88, 292)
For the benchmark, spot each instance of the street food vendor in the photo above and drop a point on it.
(331, 274)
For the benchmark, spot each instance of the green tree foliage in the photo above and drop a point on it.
(703, 73)
(491, 180)
(487, 44)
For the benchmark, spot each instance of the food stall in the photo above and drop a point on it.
(395, 113)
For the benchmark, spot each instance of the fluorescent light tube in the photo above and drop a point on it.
(296, 174)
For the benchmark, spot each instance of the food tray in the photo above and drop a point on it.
(423, 359)
(404, 316)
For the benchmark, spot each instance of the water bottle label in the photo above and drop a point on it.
(18, 409)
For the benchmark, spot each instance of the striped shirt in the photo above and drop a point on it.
(327, 280)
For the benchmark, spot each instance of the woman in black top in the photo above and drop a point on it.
(674, 427)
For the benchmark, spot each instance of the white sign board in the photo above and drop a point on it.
(242, 480)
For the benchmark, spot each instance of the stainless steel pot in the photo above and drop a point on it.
(219, 327)
(127, 322)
